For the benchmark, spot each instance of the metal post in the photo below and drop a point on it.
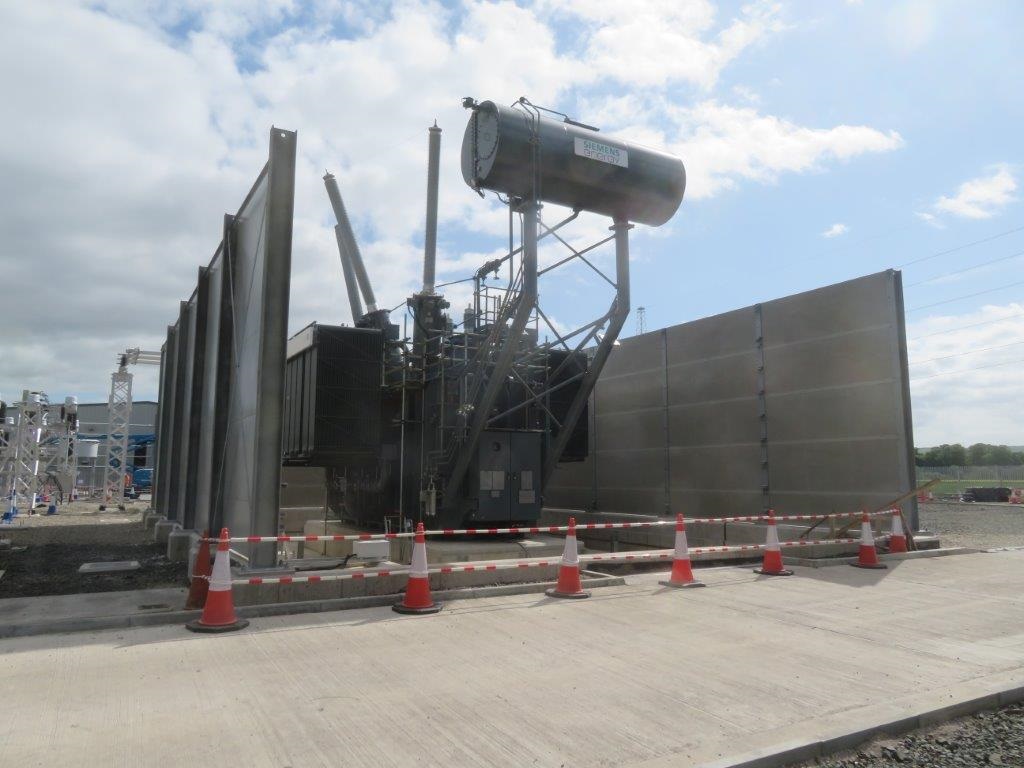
(433, 182)
(619, 312)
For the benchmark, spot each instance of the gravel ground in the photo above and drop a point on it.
(978, 526)
(45, 553)
(987, 738)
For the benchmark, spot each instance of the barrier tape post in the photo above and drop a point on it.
(772, 563)
(898, 538)
(682, 572)
(219, 611)
(200, 584)
(569, 585)
(417, 598)
(867, 556)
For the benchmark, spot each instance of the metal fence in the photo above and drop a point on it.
(977, 475)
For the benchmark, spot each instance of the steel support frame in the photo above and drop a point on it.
(25, 478)
(526, 301)
(616, 319)
(119, 407)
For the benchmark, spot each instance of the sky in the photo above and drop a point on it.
(823, 140)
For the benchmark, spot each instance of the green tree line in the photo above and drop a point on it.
(977, 455)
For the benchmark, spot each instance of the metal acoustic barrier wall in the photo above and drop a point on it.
(801, 404)
(222, 390)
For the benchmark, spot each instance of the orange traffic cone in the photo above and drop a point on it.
(772, 563)
(219, 611)
(898, 539)
(682, 573)
(417, 591)
(200, 575)
(868, 556)
(569, 571)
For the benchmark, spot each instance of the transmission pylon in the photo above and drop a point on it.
(641, 321)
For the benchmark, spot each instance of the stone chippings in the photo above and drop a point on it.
(987, 738)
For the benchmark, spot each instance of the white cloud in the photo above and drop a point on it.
(140, 123)
(968, 398)
(930, 219)
(722, 144)
(835, 230)
(982, 197)
(656, 42)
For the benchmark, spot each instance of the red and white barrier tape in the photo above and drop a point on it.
(621, 557)
(538, 529)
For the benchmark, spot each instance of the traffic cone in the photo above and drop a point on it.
(417, 591)
(867, 557)
(682, 573)
(898, 539)
(772, 563)
(200, 584)
(569, 571)
(219, 611)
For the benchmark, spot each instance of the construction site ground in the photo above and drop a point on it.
(751, 668)
(974, 525)
(45, 552)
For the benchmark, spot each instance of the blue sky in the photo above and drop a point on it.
(824, 140)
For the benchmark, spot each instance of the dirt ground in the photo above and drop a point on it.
(978, 526)
(44, 553)
(987, 738)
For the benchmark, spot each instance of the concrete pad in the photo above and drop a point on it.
(117, 566)
(162, 530)
(150, 519)
(638, 675)
(180, 544)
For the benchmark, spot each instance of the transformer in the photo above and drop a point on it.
(461, 423)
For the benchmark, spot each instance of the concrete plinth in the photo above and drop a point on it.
(150, 519)
(179, 544)
(162, 530)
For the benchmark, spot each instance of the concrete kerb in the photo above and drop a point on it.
(95, 623)
(793, 751)
(825, 562)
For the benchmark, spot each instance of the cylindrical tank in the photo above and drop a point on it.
(87, 449)
(579, 167)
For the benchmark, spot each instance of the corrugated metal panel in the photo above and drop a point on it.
(684, 420)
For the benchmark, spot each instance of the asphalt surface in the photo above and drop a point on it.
(978, 526)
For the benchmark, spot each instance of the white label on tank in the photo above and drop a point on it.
(595, 150)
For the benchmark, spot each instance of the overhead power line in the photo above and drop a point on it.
(967, 296)
(1018, 254)
(965, 327)
(969, 352)
(962, 247)
(967, 370)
